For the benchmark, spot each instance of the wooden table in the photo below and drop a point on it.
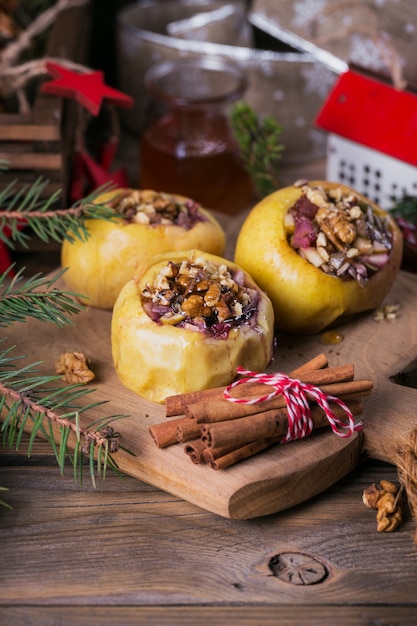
(131, 554)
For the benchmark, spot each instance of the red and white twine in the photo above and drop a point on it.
(295, 394)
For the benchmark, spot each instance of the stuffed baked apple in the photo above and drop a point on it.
(147, 223)
(321, 251)
(185, 322)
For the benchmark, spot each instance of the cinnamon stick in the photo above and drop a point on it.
(211, 454)
(346, 390)
(195, 450)
(246, 451)
(266, 424)
(187, 430)
(241, 453)
(176, 405)
(165, 433)
(222, 409)
(317, 378)
(316, 363)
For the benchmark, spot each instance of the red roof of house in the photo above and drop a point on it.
(374, 114)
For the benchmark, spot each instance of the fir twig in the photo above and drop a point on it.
(35, 297)
(26, 208)
(259, 147)
(406, 208)
(26, 399)
(26, 396)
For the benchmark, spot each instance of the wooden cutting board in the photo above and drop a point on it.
(286, 474)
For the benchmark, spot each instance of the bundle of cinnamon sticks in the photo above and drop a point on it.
(219, 432)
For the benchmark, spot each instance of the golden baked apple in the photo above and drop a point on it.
(147, 223)
(321, 251)
(185, 322)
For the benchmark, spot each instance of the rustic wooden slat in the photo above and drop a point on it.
(15, 118)
(129, 544)
(68, 39)
(48, 110)
(33, 161)
(70, 35)
(242, 615)
(29, 132)
(23, 147)
(53, 179)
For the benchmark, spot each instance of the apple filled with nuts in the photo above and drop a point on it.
(146, 223)
(185, 322)
(321, 251)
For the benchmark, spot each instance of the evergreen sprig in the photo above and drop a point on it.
(25, 208)
(28, 398)
(405, 207)
(258, 141)
(35, 297)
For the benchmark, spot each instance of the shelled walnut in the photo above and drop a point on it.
(201, 294)
(74, 367)
(387, 499)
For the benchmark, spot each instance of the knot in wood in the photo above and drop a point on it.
(297, 568)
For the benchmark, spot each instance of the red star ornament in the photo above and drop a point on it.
(87, 89)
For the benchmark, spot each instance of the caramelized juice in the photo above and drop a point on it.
(193, 154)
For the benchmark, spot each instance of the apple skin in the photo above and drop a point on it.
(100, 266)
(156, 361)
(305, 299)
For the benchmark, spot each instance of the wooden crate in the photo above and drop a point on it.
(40, 144)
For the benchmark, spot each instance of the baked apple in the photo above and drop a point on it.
(321, 251)
(147, 223)
(185, 322)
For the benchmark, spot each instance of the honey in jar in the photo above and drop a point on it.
(189, 147)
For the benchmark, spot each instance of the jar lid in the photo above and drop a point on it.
(193, 82)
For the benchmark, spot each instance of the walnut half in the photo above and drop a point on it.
(74, 367)
(387, 499)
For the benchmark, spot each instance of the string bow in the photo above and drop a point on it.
(295, 394)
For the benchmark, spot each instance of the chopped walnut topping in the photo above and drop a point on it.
(156, 208)
(75, 368)
(200, 295)
(338, 233)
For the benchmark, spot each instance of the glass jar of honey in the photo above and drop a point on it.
(187, 146)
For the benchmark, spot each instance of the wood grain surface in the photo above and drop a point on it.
(285, 475)
(131, 554)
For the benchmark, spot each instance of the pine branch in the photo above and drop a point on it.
(406, 208)
(37, 298)
(259, 147)
(27, 402)
(25, 207)
(28, 398)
